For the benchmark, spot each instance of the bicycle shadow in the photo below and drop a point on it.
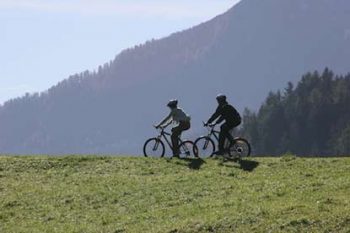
(248, 165)
(245, 165)
(191, 163)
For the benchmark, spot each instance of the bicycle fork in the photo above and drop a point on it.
(186, 150)
(205, 146)
(155, 147)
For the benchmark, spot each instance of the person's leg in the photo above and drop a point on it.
(224, 134)
(229, 136)
(176, 132)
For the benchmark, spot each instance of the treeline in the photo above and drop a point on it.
(312, 118)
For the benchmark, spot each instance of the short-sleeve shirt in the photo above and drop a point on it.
(179, 115)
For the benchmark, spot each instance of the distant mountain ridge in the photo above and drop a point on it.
(255, 47)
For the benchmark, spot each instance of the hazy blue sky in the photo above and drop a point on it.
(43, 42)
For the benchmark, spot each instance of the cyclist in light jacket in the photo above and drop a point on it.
(182, 121)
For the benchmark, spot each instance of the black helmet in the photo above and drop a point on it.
(172, 103)
(221, 98)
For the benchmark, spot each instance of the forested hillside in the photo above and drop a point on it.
(253, 48)
(312, 118)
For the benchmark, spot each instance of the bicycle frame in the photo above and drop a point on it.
(164, 135)
(229, 146)
(213, 132)
(186, 148)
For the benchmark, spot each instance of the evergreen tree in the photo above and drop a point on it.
(311, 119)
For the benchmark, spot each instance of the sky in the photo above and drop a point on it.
(45, 41)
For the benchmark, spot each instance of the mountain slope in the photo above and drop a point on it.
(255, 47)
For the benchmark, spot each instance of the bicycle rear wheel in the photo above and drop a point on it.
(205, 146)
(154, 147)
(188, 150)
(240, 148)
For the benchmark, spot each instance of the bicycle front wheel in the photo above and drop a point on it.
(154, 147)
(205, 146)
(240, 148)
(188, 150)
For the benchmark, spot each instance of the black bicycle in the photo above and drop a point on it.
(154, 147)
(205, 145)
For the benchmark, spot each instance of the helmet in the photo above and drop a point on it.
(172, 103)
(221, 98)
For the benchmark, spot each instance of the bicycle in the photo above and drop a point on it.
(154, 147)
(205, 145)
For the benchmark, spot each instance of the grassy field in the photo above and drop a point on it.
(94, 194)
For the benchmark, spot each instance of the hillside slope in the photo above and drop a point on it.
(94, 194)
(255, 47)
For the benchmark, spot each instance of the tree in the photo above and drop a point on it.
(311, 119)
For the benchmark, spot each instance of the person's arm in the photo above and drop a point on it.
(216, 114)
(166, 125)
(219, 120)
(166, 120)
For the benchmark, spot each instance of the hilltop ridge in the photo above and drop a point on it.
(108, 194)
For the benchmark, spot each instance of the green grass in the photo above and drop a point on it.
(94, 194)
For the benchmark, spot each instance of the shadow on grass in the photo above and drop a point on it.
(191, 163)
(248, 165)
(245, 165)
(195, 164)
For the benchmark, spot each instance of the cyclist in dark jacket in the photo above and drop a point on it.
(225, 112)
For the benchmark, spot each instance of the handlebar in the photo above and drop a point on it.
(158, 128)
(161, 130)
(209, 125)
